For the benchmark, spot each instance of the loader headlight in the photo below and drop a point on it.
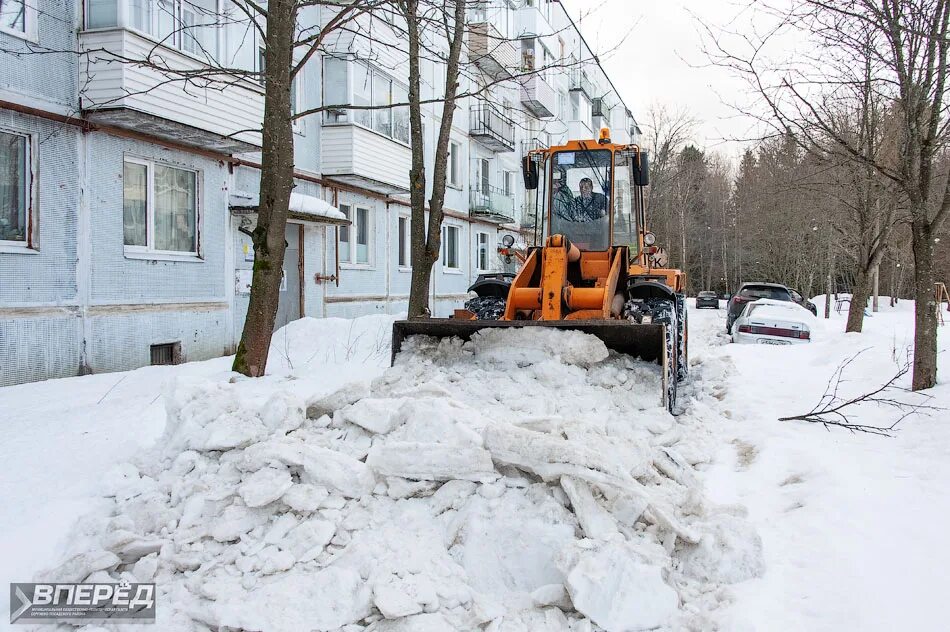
(649, 238)
(508, 241)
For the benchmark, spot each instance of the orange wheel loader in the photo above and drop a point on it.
(598, 270)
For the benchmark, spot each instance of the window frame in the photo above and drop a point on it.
(457, 269)
(404, 235)
(482, 248)
(148, 251)
(352, 213)
(345, 116)
(31, 244)
(30, 30)
(454, 174)
(177, 41)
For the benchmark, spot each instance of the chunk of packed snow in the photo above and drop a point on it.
(324, 600)
(321, 466)
(619, 593)
(551, 457)
(265, 486)
(596, 522)
(537, 344)
(432, 462)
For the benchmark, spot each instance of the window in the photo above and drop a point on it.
(362, 94)
(354, 239)
(351, 82)
(16, 190)
(334, 89)
(455, 177)
(362, 235)
(450, 247)
(297, 105)
(382, 95)
(484, 175)
(160, 208)
(344, 246)
(13, 16)
(261, 65)
(191, 26)
(105, 13)
(509, 183)
(405, 241)
(482, 242)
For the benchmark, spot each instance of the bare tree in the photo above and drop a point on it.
(908, 43)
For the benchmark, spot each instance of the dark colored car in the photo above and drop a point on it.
(752, 292)
(707, 299)
(804, 302)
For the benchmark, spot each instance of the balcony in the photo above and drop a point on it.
(581, 82)
(490, 203)
(492, 129)
(202, 114)
(354, 155)
(538, 97)
(491, 51)
(530, 22)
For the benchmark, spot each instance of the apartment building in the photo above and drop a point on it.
(127, 198)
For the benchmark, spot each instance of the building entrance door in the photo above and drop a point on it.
(288, 308)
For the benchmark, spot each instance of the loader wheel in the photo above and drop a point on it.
(671, 367)
(660, 311)
(682, 338)
(486, 307)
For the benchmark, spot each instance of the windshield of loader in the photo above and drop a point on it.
(581, 197)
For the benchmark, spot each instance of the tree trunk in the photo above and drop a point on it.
(828, 285)
(421, 267)
(424, 257)
(875, 287)
(859, 300)
(277, 181)
(925, 308)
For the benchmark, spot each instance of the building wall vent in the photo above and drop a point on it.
(167, 353)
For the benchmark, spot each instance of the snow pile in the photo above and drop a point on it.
(299, 203)
(526, 480)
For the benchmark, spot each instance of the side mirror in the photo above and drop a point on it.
(529, 168)
(641, 170)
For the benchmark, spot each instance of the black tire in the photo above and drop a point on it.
(661, 311)
(486, 307)
(682, 340)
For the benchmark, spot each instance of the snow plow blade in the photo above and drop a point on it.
(640, 341)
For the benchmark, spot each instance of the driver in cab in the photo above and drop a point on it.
(586, 207)
(589, 206)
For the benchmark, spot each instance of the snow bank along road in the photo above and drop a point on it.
(525, 481)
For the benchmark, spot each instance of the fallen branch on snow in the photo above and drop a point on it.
(832, 410)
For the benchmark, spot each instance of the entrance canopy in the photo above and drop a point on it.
(303, 208)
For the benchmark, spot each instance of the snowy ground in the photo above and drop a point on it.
(563, 477)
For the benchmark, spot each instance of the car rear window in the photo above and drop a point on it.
(707, 294)
(765, 291)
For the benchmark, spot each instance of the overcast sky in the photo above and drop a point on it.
(661, 59)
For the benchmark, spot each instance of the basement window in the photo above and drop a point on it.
(165, 353)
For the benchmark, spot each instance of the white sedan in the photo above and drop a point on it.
(769, 322)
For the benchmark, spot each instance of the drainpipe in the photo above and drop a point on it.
(83, 257)
(389, 270)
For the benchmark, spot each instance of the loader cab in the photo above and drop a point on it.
(590, 195)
